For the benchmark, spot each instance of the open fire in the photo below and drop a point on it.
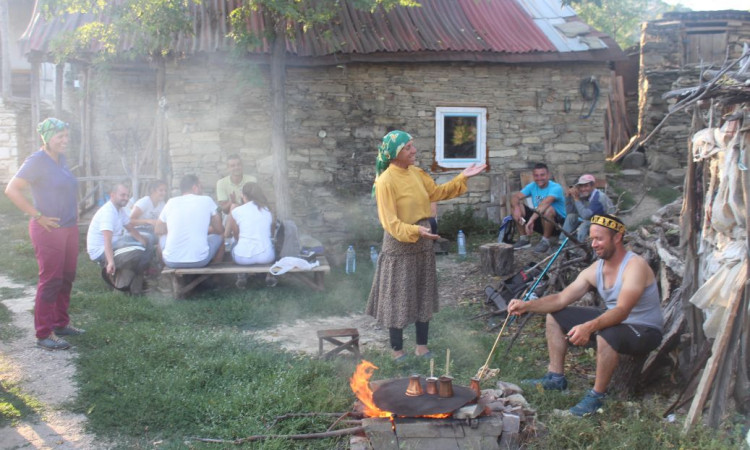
(400, 415)
(360, 384)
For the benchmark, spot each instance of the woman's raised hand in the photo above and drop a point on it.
(474, 170)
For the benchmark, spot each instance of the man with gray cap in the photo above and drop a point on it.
(583, 202)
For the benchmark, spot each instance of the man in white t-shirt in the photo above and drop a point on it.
(192, 223)
(123, 256)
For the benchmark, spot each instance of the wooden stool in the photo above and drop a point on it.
(351, 345)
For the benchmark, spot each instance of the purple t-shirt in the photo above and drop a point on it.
(54, 188)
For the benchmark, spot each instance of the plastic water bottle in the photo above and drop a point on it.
(228, 244)
(374, 256)
(351, 260)
(461, 239)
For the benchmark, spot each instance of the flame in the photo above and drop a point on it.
(360, 384)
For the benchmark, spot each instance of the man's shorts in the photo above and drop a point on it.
(539, 221)
(624, 338)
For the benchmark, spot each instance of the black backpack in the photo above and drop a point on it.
(512, 287)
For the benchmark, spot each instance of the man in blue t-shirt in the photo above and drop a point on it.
(547, 199)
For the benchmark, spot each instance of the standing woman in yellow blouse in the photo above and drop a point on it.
(404, 289)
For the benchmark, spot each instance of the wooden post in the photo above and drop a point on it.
(59, 89)
(7, 76)
(688, 240)
(160, 126)
(278, 122)
(35, 95)
(718, 352)
(496, 258)
(627, 374)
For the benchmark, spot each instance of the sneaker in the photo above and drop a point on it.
(548, 382)
(588, 405)
(52, 342)
(68, 331)
(521, 243)
(542, 246)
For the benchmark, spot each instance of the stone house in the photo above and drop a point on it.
(675, 51)
(506, 82)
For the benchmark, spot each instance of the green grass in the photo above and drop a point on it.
(16, 405)
(152, 369)
(623, 199)
(664, 194)
(8, 331)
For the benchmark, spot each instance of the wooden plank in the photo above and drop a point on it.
(313, 278)
(231, 268)
(717, 356)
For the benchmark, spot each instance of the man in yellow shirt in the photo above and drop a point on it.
(229, 188)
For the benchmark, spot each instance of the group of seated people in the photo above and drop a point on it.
(550, 204)
(186, 231)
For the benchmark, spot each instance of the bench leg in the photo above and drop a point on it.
(352, 346)
(180, 290)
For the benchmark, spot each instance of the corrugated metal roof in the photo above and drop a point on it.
(548, 15)
(439, 29)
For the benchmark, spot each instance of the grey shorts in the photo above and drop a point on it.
(625, 338)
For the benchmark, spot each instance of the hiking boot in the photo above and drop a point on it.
(68, 331)
(548, 382)
(521, 243)
(542, 246)
(588, 405)
(52, 342)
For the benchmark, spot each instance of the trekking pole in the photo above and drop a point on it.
(483, 369)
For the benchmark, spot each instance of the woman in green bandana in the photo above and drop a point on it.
(53, 229)
(404, 289)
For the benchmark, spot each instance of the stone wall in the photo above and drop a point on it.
(337, 116)
(664, 68)
(123, 115)
(9, 161)
(15, 137)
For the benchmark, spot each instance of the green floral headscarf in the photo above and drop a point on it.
(392, 144)
(50, 127)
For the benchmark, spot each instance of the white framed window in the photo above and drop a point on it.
(460, 136)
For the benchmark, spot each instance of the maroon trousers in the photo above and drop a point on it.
(57, 255)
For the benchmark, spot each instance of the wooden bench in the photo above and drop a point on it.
(313, 278)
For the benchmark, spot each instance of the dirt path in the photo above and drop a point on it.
(47, 377)
(457, 281)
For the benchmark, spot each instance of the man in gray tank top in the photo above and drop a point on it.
(631, 323)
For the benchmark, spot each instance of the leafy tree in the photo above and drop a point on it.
(620, 19)
(151, 25)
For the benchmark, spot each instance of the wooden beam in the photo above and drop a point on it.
(59, 89)
(35, 100)
(717, 356)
